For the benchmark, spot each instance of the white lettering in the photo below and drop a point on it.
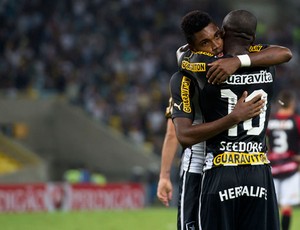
(231, 193)
(240, 191)
(262, 77)
(280, 124)
(241, 147)
(224, 195)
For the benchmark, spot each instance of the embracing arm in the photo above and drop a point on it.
(222, 68)
(273, 55)
(189, 134)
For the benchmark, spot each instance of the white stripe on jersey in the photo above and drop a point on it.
(193, 158)
(182, 203)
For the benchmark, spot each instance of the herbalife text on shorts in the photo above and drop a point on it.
(239, 191)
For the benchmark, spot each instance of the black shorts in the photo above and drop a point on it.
(188, 203)
(238, 198)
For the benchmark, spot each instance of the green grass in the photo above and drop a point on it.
(147, 219)
(296, 219)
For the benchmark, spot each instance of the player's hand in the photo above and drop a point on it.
(221, 69)
(245, 110)
(164, 191)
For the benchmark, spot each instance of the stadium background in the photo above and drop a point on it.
(84, 84)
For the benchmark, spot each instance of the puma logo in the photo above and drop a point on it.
(178, 106)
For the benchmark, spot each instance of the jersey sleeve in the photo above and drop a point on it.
(182, 88)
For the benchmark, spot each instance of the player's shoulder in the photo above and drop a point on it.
(182, 78)
(195, 61)
(179, 75)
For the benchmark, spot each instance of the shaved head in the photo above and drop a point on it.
(240, 21)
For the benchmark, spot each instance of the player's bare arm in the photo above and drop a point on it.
(189, 134)
(222, 68)
(170, 145)
(273, 55)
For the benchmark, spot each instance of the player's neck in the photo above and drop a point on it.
(236, 47)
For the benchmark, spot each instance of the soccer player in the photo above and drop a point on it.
(168, 153)
(193, 160)
(231, 193)
(284, 139)
(202, 34)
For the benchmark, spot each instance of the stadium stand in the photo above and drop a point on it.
(8, 164)
(63, 135)
(19, 164)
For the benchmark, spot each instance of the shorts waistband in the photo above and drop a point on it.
(237, 158)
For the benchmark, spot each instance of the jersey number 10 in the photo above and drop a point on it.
(247, 125)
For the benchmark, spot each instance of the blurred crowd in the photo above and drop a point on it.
(113, 58)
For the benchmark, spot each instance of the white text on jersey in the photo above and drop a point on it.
(262, 77)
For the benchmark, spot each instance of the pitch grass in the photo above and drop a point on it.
(146, 219)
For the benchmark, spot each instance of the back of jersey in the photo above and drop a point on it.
(232, 147)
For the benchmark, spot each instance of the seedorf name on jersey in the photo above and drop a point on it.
(185, 94)
(241, 146)
(262, 77)
(239, 191)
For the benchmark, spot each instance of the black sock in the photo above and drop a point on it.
(285, 222)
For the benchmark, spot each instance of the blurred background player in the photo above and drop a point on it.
(168, 153)
(284, 138)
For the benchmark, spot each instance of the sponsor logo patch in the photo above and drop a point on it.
(178, 106)
(255, 48)
(194, 67)
(255, 78)
(185, 94)
(250, 191)
(236, 158)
